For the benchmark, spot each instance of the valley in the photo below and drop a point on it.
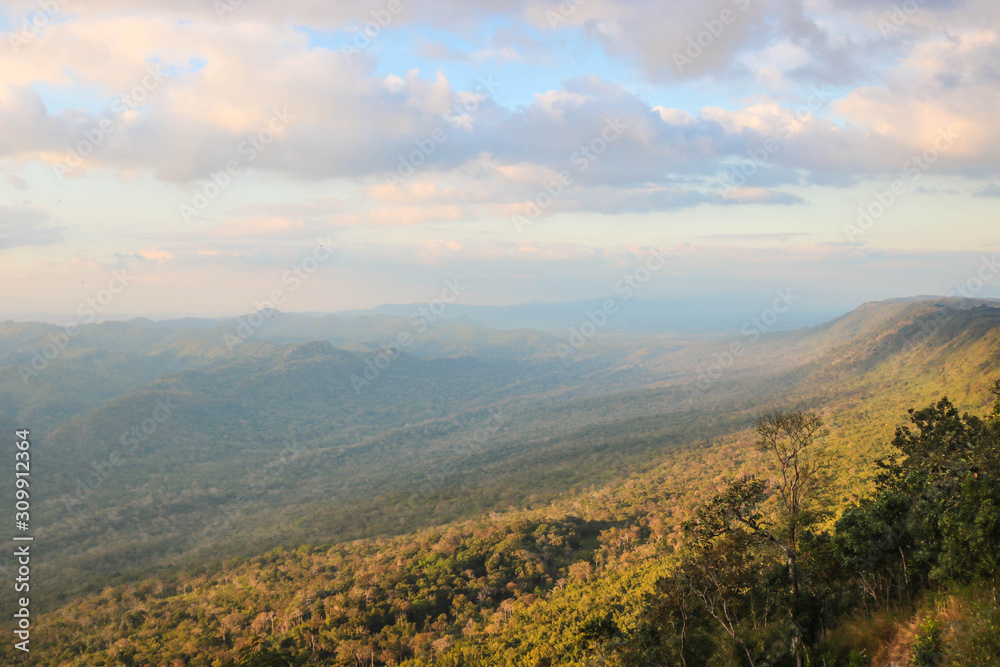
(189, 456)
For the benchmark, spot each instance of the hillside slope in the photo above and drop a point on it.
(637, 461)
(274, 446)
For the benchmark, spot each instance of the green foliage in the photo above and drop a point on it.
(587, 484)
(934, 515)
(269, 653)
(544, 588)
(928, 645)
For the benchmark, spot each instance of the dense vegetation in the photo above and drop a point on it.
(756, 575)
(613, 509)
(771, 580)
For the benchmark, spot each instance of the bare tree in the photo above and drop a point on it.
(787, 439)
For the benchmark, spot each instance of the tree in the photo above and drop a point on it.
(787, 439)
(724, 578)
(269, 653)
(936, 511)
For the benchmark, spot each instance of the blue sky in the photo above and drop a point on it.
(207, 155)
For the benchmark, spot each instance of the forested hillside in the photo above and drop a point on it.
(613, 576)
(481, 495)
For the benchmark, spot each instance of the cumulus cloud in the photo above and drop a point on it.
(221, 80)
(700, 111)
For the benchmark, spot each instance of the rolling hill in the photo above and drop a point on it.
(192, 453)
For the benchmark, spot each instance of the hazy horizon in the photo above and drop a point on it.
(401, 309)
(535, 333)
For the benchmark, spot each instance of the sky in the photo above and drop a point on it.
(209, 158)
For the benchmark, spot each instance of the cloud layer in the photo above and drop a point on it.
(254, 125)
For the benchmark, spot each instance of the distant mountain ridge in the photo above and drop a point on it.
(523, 487)
(637, 315)
(485, 418)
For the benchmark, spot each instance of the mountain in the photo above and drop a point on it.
(637, 316)
(575, 535)
(184, 450)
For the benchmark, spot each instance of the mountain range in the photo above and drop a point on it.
(165, 446)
